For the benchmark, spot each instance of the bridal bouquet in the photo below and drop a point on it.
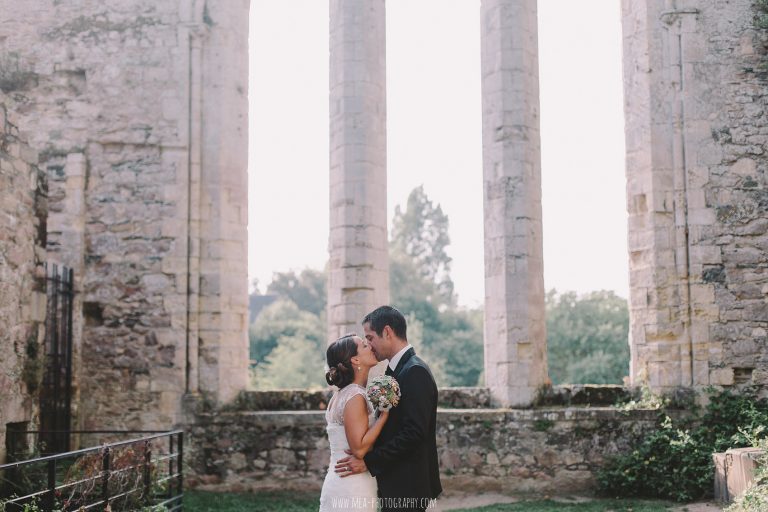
(384, 392)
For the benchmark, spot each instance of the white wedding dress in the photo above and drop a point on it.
(355, 492)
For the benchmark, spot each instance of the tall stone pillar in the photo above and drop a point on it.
(698, 309)
(223, 156)
(659, 315)
(515, 337)
(359, 265)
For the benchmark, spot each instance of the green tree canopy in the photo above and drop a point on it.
(307, 290)
(450, 338)
(420, 235)
(587, 338)
(284, 319)
(295, 363)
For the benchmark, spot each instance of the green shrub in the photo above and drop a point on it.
(761, 14)
(675, 460)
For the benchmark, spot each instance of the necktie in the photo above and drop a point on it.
(389, 371)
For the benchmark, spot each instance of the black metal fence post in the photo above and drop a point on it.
(105, 465)
(147, 475)
(50, 496)
(70, 294)
(56, 389)
(179, 467)
(171, 460)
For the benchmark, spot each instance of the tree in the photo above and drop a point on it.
(307, 290)
(587, 338)
(280, 320)
(461, 344)
(287, 339)
(449, 338)
(420, 234)
(416, 338)
(294, 363)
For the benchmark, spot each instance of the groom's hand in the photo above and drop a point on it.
(350, 465)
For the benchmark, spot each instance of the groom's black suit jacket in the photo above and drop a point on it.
(404, 457)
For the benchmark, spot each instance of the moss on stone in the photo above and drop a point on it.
(15, 75)
(32, 370)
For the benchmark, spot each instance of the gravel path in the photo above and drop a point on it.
(456, 501)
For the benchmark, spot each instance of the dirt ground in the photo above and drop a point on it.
(699, 507)
(456, 501)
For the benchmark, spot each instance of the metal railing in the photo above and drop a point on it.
(136, 474)
(56, 389)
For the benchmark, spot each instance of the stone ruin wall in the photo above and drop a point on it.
(148, 203)
(138, 110)
(274, 440)
(22, 277)
(695, 89)
(736, 190)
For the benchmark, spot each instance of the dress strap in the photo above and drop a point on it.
(335, 412)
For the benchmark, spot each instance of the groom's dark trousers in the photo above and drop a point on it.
(404, 457)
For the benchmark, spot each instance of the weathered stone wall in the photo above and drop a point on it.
(277, 439)
(148, 203)
(514, 450)
(696, 132)
(22, 277)
(728, 99)
(447, 398)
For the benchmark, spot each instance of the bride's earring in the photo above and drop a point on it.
(358, 368)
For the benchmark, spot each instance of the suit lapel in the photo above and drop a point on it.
(408, 354)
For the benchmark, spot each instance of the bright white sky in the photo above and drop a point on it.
(434, 135)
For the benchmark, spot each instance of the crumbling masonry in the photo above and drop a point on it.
(134, 112)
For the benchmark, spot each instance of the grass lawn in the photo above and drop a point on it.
(299, 502)
(195, 501)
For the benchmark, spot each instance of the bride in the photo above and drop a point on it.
(351, 424)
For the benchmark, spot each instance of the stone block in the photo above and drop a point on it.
(664, 374)
(735, 472)
(702, 294)
(701, 216)
(706, 254)
(744, 167)
(721, 377)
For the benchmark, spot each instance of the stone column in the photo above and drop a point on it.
(359, 265)
(658, 322)
(223, 286)
(686, 111)
(515, 337)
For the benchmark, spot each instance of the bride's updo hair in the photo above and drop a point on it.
(338, 356)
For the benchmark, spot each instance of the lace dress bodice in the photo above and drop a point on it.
(335, 412)
(334, 417)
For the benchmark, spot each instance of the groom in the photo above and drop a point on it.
(404, 457)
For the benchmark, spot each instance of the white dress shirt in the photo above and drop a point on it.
(396, 358)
